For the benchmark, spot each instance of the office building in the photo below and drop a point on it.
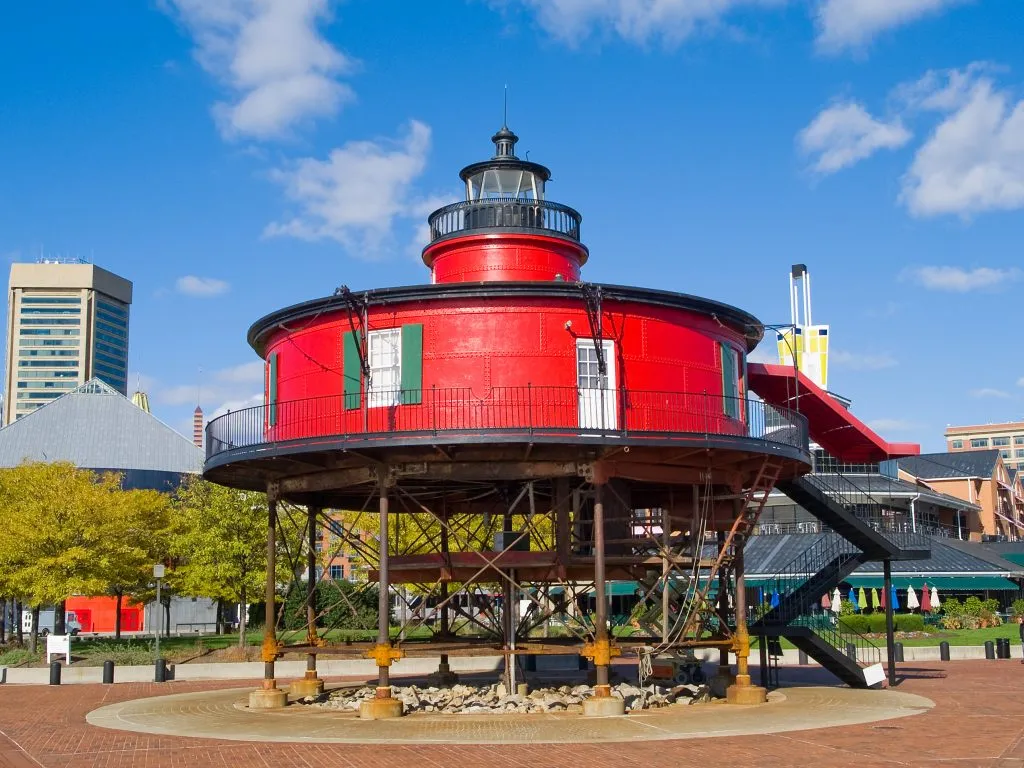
(1007, 437)
(67, 323)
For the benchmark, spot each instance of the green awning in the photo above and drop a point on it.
(942, 583)
(1013, 557)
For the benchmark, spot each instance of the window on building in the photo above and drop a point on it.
(1018, 440)
(979, 442)
(385, 352)
(1006, 454)
(957, 444)
(1000, 442)
(337, 572)
(1020, 453)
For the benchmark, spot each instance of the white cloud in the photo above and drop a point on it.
(246, 373)
(846, 24)
(765, 352)
(231, 384)
(989, 392)
(1020, 381)
(636, 21)
(959, 280)
(974, 160)
(271, 55)
(856, 361)
(893, 425)
(235, 404)
(203, 287)
(845, 133)
(357, 193)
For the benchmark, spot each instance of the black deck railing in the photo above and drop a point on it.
(505, 213)
(528, 410)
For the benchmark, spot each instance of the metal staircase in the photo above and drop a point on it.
(849, 541)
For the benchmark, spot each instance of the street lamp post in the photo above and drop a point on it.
(789, 344)
(158, 572)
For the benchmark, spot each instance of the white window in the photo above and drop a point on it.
(385, 368)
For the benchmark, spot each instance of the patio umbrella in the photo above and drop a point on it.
(882, 601)
(826, 604)
(775, 599)
(862, 599)
(852, 597)
(936, 605)
(926, 599)
(875, 602)
(895, 599)
(837, 601)
(912, 601)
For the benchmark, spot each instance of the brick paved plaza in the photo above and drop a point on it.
(978, 721)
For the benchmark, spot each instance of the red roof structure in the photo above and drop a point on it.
(831, 425)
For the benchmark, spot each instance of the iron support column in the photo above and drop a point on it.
(383, 596)
(601, 686)
(890, 641)
(270, 597)
(269, 696)
(742, 692)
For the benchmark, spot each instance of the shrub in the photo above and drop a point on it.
(1017, 609)
(973, 606)
(855, 623)
(876, 622)
(846, 608)
(952, 607)
(909, 622)
(341, 605)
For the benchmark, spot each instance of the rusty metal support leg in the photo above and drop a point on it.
(602, 704)
(310, 684)
(742, 691)
(270, 696)
(383, 706)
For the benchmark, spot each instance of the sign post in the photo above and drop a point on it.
(57, 645)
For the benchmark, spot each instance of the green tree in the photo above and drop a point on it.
(218, 544)
(134, 538)
(53, 529)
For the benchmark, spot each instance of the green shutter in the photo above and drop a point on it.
(272, 391)
(412, 364)
(351, 371)
(730, 383)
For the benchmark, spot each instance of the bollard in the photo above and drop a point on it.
(898, 652)
(161, 670)
(108, 672)
(990, 650)
(1002, 648)
(851, 651)
(944, 651)
(803, 659)
(54, 673)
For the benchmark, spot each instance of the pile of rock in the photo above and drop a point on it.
(493, 699)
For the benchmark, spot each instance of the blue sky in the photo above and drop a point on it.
(234, 156)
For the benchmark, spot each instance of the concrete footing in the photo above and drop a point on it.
(268, 698)
(443, 677)
(722, 680)
(603, 706)
(745, 694)
(307, 686)
(380, 709)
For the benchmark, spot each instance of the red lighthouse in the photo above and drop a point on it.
(534, 435)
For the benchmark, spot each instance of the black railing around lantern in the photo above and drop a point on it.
(507, 213)
(538, 412)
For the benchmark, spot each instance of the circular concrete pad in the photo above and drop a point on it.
(223, 715)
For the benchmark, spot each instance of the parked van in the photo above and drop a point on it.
(47, 621)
